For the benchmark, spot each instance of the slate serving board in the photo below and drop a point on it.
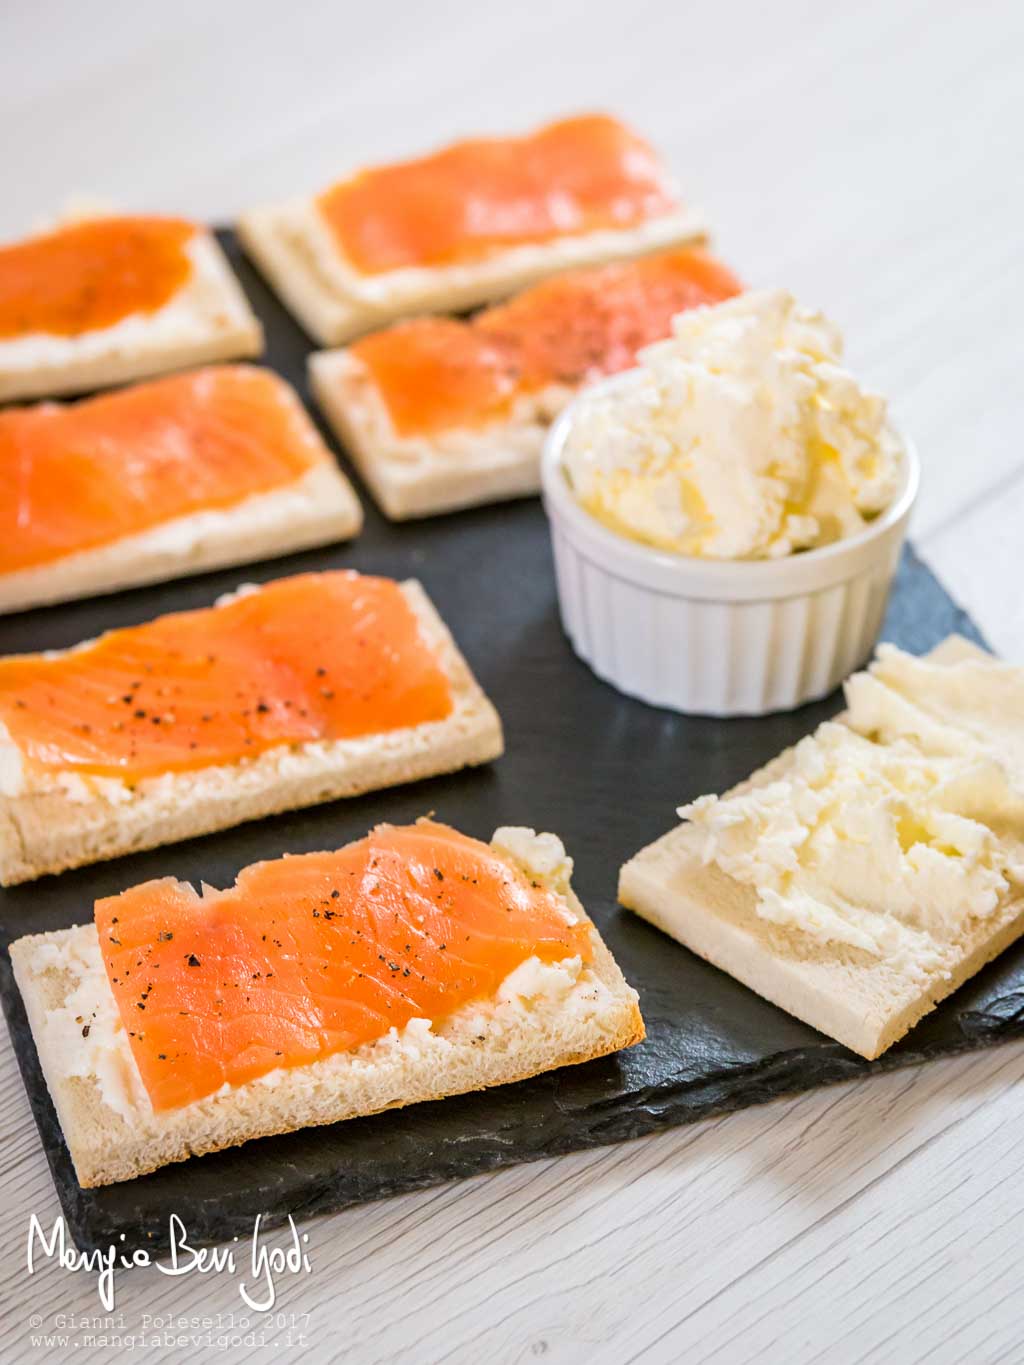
(603, 771)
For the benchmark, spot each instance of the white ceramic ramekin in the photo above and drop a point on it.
(715, 637)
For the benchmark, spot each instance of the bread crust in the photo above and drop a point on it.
(106, 1148)
(335, 303)
(316, 509)
(422, 476)
(223, 327)
(846, 993)
(48, 831)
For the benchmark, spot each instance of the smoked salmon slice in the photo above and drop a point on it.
(317, 954)
(78, 476)
(316, 657)
(481, 196)
(436, 374)
(92, 274)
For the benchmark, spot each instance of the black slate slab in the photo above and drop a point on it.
(604, 772)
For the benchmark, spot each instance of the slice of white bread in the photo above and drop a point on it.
(859, 999)
(412, 476)
(51, 830)
(208, 319)
(317, 509)
(295, 250)
(64, 987)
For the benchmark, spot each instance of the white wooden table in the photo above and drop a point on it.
(868, 156)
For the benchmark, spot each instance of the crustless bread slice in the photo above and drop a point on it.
(599, 1015)
(50, 831)
(861, 1000)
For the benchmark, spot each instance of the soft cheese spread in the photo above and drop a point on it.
(879, 832)
(740, 437)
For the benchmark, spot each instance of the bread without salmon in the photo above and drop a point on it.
(51, 831)
(418, 476)
(208, 319)
(318, 508)
(106, 1146)
(863, 1001)
(295, 250)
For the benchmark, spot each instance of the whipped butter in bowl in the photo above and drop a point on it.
(727, 518)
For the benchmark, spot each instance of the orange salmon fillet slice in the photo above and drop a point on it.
(92, 274)
(436, 374)
(86, 474)
(484, 195)
(315, 657)
(316, 954)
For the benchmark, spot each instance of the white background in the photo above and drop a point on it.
(867, 155)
